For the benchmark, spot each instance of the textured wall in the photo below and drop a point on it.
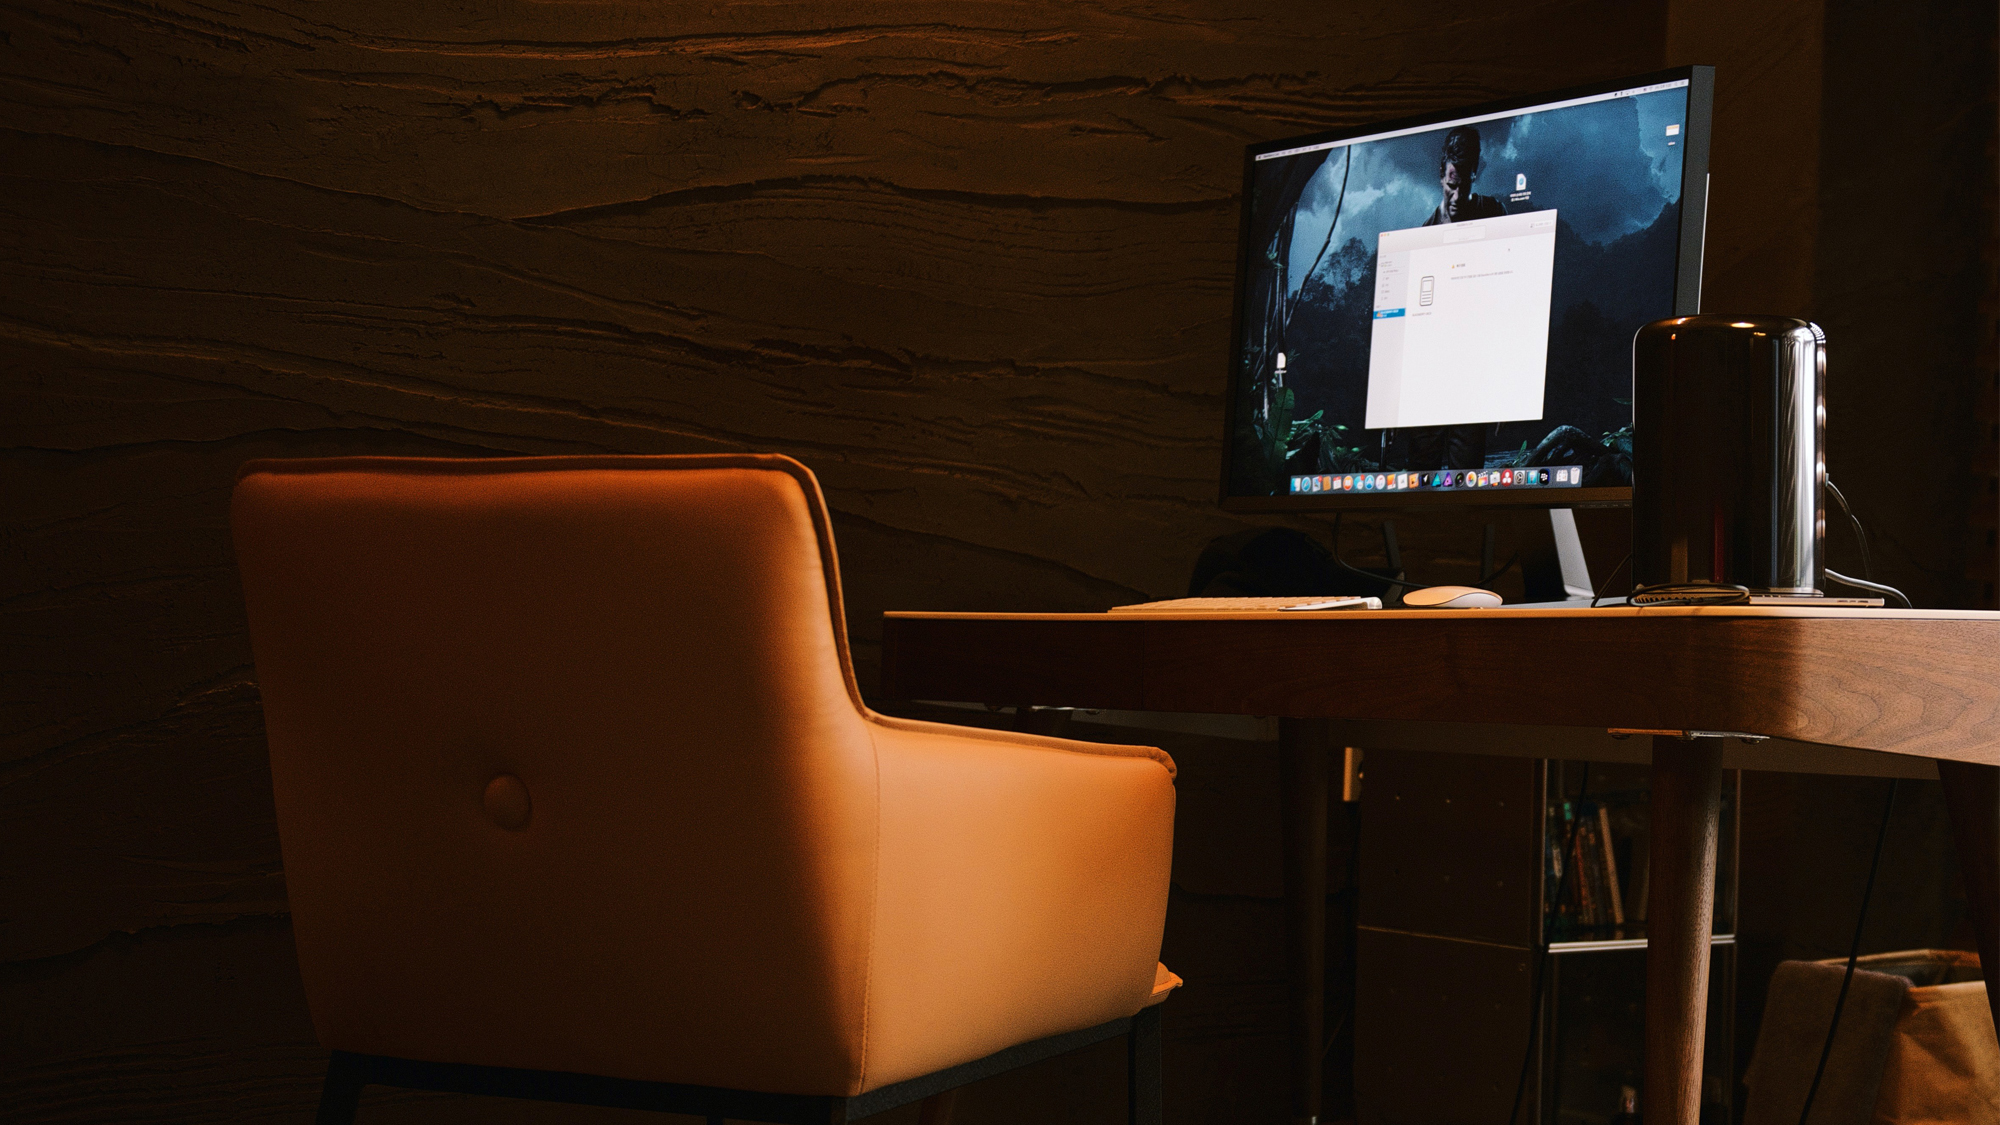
(969, 262)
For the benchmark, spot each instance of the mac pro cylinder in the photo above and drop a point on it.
(1728, 463)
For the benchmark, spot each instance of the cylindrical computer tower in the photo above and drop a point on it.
(1728, 469)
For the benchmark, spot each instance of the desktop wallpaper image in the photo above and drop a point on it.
(1614, 179)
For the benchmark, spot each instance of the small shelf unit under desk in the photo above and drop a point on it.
(1462, 891)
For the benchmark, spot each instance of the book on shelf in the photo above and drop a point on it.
(1584, 868)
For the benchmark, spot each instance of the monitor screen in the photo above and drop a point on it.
(1441, 309)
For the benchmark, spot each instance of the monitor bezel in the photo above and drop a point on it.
(1687, 290)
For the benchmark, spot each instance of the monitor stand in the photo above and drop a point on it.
(1558, 576)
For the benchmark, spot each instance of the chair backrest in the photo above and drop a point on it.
(651, 648)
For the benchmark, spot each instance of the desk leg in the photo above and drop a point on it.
(1972, 794)
(1686, 816)
(1303, 771)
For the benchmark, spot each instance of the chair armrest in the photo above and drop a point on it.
(1021, 891)
(1029, 741)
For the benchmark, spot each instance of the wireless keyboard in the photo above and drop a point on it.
(1249, 605)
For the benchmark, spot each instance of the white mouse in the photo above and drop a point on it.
(1451, 597)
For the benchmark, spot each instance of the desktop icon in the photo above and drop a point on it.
(1347, 483)
(1381, 481)
(1520, 181)
(1544, 477)
(1506, 476)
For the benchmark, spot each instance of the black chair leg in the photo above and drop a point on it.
(1145, 1098)
(340, 1098)
(937, 1109)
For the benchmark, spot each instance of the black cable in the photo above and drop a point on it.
(1343, 564)
(1853, 950)
(1486, 580)
(1542, 948)
(1405, 583)
(1860, 536)
(1872, 587)
(1599, 594)
(1867, 579)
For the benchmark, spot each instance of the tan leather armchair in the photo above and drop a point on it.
(578, 799)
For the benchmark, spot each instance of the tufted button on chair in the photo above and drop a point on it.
(579, 801)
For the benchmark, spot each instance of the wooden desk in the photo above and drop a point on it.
(1863, 691)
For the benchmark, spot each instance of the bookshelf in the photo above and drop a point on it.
(1594, 909)
(1466, 865)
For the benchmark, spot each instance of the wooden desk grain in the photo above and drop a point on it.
(1923, 684)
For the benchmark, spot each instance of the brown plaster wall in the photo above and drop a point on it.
(970, 262)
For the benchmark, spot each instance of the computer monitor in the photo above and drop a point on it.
(1439, 310)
